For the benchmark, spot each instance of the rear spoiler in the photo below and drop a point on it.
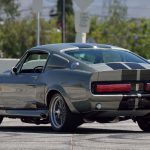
(122, 75)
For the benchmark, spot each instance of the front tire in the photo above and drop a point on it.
(60, 117)
(144, 124)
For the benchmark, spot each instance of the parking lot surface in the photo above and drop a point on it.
(91, 136)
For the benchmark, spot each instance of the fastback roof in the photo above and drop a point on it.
(63, 46)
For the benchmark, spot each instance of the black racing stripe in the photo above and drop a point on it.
(82, 45)
(134, 66)
(127, 103)
(145, 75)
(116, 66)
(129, 75)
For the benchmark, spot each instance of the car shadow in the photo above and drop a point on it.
(48, 130)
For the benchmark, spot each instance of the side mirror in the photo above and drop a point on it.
(15, 70)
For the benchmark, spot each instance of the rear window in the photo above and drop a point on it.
(95, 56)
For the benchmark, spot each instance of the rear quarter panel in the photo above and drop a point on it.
(74, 85)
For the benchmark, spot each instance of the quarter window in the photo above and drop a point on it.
(57, 61)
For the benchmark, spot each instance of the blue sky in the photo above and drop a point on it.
(136, 8)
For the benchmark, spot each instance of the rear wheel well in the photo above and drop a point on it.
(49, 96)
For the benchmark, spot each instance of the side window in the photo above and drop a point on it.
(57, 61)
(34, 63)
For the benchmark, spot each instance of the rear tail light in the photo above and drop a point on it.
(147, 87)
(112, 88)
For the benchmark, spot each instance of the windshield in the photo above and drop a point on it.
(95, 56)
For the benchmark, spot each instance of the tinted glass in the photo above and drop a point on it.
(34, 63)
(93, 56)
(57, 61)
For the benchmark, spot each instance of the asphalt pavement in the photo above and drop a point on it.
(15, 135)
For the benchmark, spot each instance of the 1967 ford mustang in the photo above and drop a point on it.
(70, 84)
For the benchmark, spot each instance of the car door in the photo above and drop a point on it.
(24, 88)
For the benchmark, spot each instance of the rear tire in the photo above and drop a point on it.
(144, 124)
(60, 117)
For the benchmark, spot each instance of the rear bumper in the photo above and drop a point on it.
(115, 105)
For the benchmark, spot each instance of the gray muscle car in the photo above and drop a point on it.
(70, 84)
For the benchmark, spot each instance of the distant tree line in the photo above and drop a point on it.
(18, 35)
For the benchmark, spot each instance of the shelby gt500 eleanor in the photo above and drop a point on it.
(69, 84)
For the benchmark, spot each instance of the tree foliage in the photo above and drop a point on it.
(8, 9)
(117, 11)
(68, 8)
(16, 36)
(116, 29)
(69, 19)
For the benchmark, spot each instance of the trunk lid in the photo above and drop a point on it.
(121, 72)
